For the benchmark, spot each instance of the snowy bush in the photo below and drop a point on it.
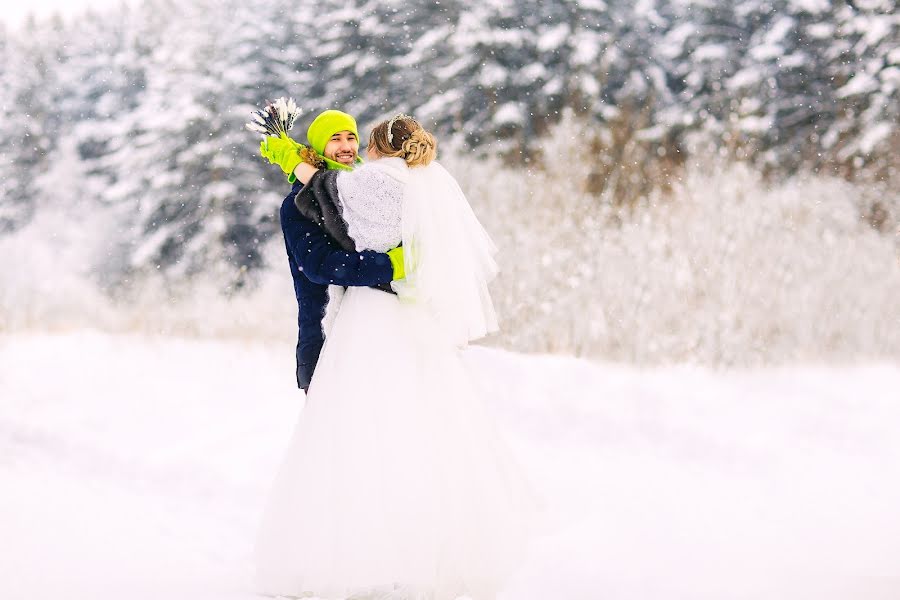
(723, 270)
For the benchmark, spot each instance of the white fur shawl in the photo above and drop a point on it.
(371, 198)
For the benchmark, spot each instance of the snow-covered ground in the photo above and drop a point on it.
(135, 467)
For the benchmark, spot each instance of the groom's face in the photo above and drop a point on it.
(342, 147)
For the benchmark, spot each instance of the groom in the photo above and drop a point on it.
(316, 258)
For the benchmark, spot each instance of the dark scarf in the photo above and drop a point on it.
(319, 202)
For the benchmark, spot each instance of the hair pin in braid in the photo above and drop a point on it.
(394, 119)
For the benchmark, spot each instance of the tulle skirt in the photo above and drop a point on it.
(396, 483)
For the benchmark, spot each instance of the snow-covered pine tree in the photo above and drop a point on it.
(154, 101)
(100, 79)
(866, 75)
(370, 58)
(27, 121)
(784, 81)
(175, 160)
(699, 56)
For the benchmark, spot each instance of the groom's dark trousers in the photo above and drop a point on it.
(317, 260)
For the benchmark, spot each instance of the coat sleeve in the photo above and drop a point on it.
(312, 300)
(322, 261)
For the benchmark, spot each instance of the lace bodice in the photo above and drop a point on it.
(372, 203)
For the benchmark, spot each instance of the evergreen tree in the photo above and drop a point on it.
(146, 107)
(27, 123)
(866, 74)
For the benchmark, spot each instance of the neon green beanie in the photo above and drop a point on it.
(326, 125)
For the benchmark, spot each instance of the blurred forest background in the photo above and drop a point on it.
(704, 181)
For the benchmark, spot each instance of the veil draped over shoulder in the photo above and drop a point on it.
(448, 256)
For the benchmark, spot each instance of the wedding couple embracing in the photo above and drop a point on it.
(396, 483)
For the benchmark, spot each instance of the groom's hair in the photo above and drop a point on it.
(403, 136)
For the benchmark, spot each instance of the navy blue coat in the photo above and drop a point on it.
(317, 260)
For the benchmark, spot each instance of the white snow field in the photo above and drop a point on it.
(134, 467)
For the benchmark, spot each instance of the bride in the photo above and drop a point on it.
(396, 483)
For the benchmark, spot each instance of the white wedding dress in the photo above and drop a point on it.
(396, 483)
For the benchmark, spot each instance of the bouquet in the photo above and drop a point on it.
(276, 119)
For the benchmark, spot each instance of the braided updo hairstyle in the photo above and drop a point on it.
(409, 141)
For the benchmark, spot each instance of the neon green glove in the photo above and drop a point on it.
(282, 151)
(396, 256)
